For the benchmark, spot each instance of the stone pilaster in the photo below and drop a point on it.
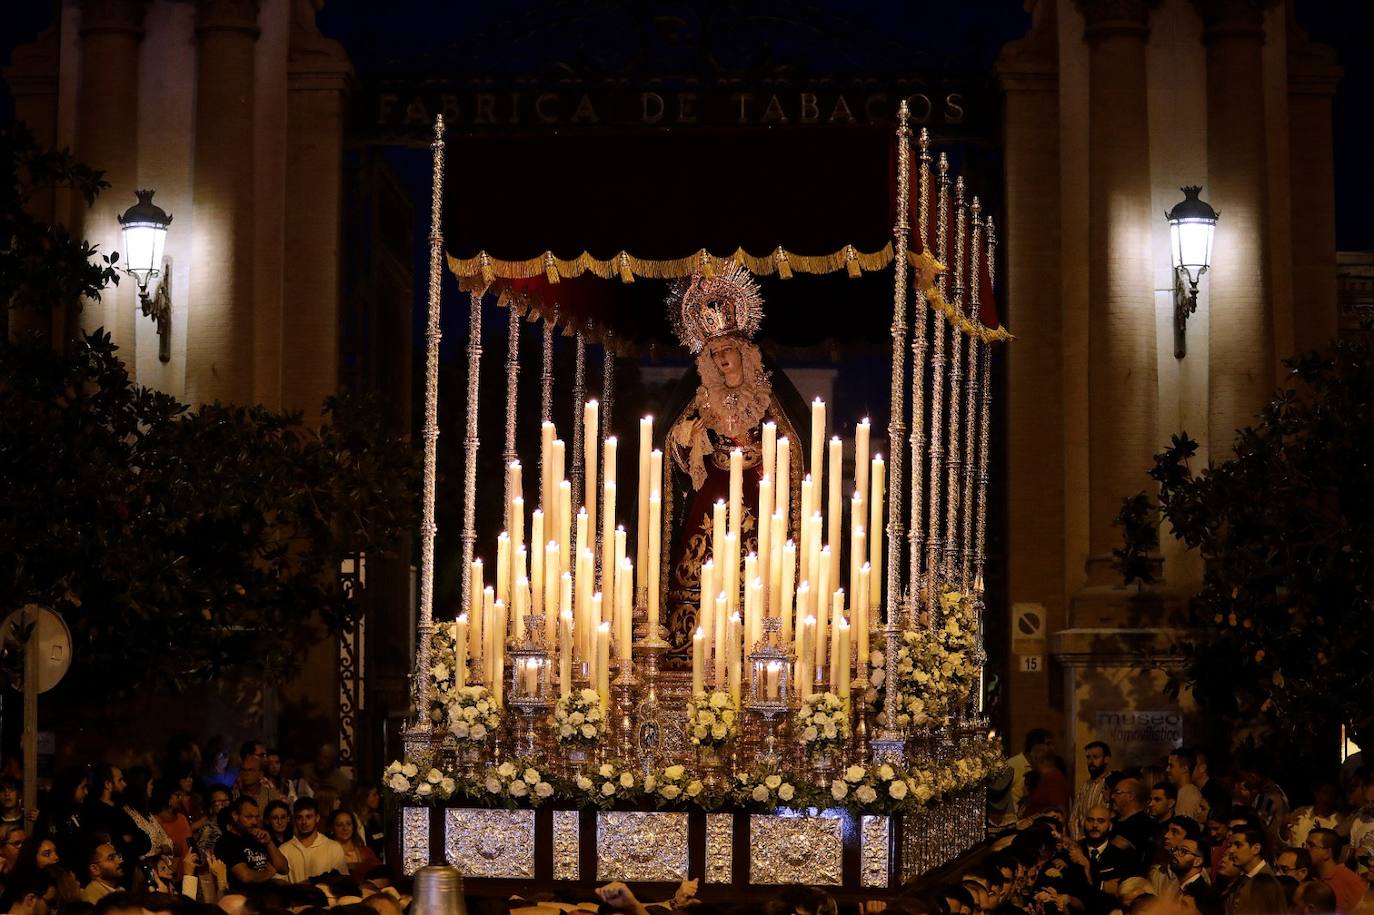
(107, 138)
(220, 332)
(1313, 75)
(1028, 71)
(1122, 369)
(318, 78)
(1241, 360)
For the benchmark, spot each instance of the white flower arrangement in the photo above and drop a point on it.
(670, 785)
(769, 788)
(516, 783)
(936, 666)
(473, 715)
(822, 721)
(712, 719)
(882, 788)
(613, 781)
(443, 672)
(404, 779)
(580, 718)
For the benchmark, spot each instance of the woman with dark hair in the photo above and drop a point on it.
(166, 806)
(276, 819)
(137, 799)
(38, 851)
(343, 828)
(366, 804)
(59, 813)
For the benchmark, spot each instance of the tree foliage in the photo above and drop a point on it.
(180, 544)
(1286, 610)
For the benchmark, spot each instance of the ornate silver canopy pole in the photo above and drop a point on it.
(976, 347)
(954, 457)
(417, 736)
(512, 400)
(916, 535)
(939, 323)
(984, 423)
(889, 744)
(579, 397)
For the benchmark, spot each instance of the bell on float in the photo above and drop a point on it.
(438, 890)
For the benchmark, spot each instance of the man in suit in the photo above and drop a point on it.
(1132, 827)
(1245, 852)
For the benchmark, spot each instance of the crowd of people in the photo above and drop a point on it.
(254, 834)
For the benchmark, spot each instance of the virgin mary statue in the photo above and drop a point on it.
(719, 407)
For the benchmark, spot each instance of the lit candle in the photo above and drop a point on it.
(785, 590)
(538, 551)
(807, 509)
(764, 520)
(620, 548)
(733, 661)
(582, 528)
(490, 642)
(556, 456)
(772, 679)
(732, 572)
(624, 628)
(551, 576)
(565, 653)
(564, 533)
(707, 604)
(522, 606)
(875, 533)
(722, 638)
(516, 484)
(460, 649)
(503, 567)
(834, 507)
(856, 541)
(582, 605)
(861, 436)
(498, 657)
(546, 481)
(517, 531)
(698, 660)
(773, 590)
(782, 483)
(751, 609)
(842, 675)
(806, 636)
(718, 531)
(860, 612)
(822, 593)
(736, 493)
(655, 548)
(770, 450)
(817, 467)
(603, 657)
(476, 607)
(589, 440)
(646, 444)
(608, 535)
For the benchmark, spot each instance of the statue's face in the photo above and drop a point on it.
(725, 354)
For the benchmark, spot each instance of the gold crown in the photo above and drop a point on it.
(706, 307)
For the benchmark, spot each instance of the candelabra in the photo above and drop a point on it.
(528, 695)
(770, 692)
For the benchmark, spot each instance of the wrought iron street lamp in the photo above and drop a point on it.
(1192, 223)
(145, 232)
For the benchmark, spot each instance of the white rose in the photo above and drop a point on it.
(399, 783)
(493, 784)
(434, 776)
(392, 769)
(608, 788)
(786, 792)
(694, 787)
(483, 705)
(719, 700)
(584, 783)
(594, 714)
(718, 732)
(773, 781)
(700, 731)
(577, 718)
(809, 734)
(460, 730)
(627, 780)
(759, 793)
(589, 731)
(448, 785)
(424, 789)
(565, 731)
(441, 671)
(505, 770)
(886, 772)
(866, 794)
(923, 793)
(897, 790)
(519, 789)
(590, 696)
(670, 792)
(409, 770)
(650, 783)
(829, 732)
(477, 732)
(543, 789)
(854, 774)
(674, 772)
(838, 789)
(531, 776)
(607, 770)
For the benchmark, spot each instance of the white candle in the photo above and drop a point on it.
(582, 605)
(565, 654)
(856, 541)
(556, 458)
(736, 493)
(707, 604)
(772, 679)
(490, 642)
(656, 473)
(733, 661)
(764, 520)
(538, 551)
(807, 509)
(516, 484)
(546, 481)
(582, 528)
(823, 593)
(722, 638)
(834, 508)
(551, 576)
(517, 532)
(460, 649)
(785, 591)
(756, 631)
(731, 572)
(842, 636)
(603, 658)
(718, 531)
(860, 612)
(655, 547)
(774, 586)
(646, 444)
(608, 458)
(806, 636)
(476, 607)
(589, 440)
(625, 587)
(498, 657)
(770, 451)
(875, 533)
(698, 660)
(608, 535)
(751, 609)
(564, 533)
(817, 467)
(503, 567)
(782, 483)
(522, 607)
(861, 437)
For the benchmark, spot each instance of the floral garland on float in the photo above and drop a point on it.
(937, 669)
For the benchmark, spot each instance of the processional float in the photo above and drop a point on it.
(821, 738)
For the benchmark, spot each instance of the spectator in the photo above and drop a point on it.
(104, 872)
(1188, 796)
(59, 815)
(325, 771)
(38, 852)
(219, 773)
(1131, 824)
(1021, 764)
(30, 893)
(251, 783)
(366, 805)
(1323, 811)
(1314, 898)
(11, 802)
(1295, 863)
(343, 827)
(1323, 845)
(217, 803)
(1262, 894)
(1263, 794)
(1189, 859)
(103, 815)
(137, 797)
(1106, 863)
(11, 841)
(1201, 899)
(166, 806)
(1097, 757)
(246, 849)
(1361, 826)
(288, 778)
(1163, 802)
(276, 819)
(1048, 787)
(309, 854)
(1245, 856)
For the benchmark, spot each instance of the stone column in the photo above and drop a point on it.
(1122, 371)
(107, 138)
(1241, 362)
(1031, 297)
(1312, 78)
(318, 74)
(219, 339)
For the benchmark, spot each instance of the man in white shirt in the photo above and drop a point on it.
(1182, 763)
(309, 854)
